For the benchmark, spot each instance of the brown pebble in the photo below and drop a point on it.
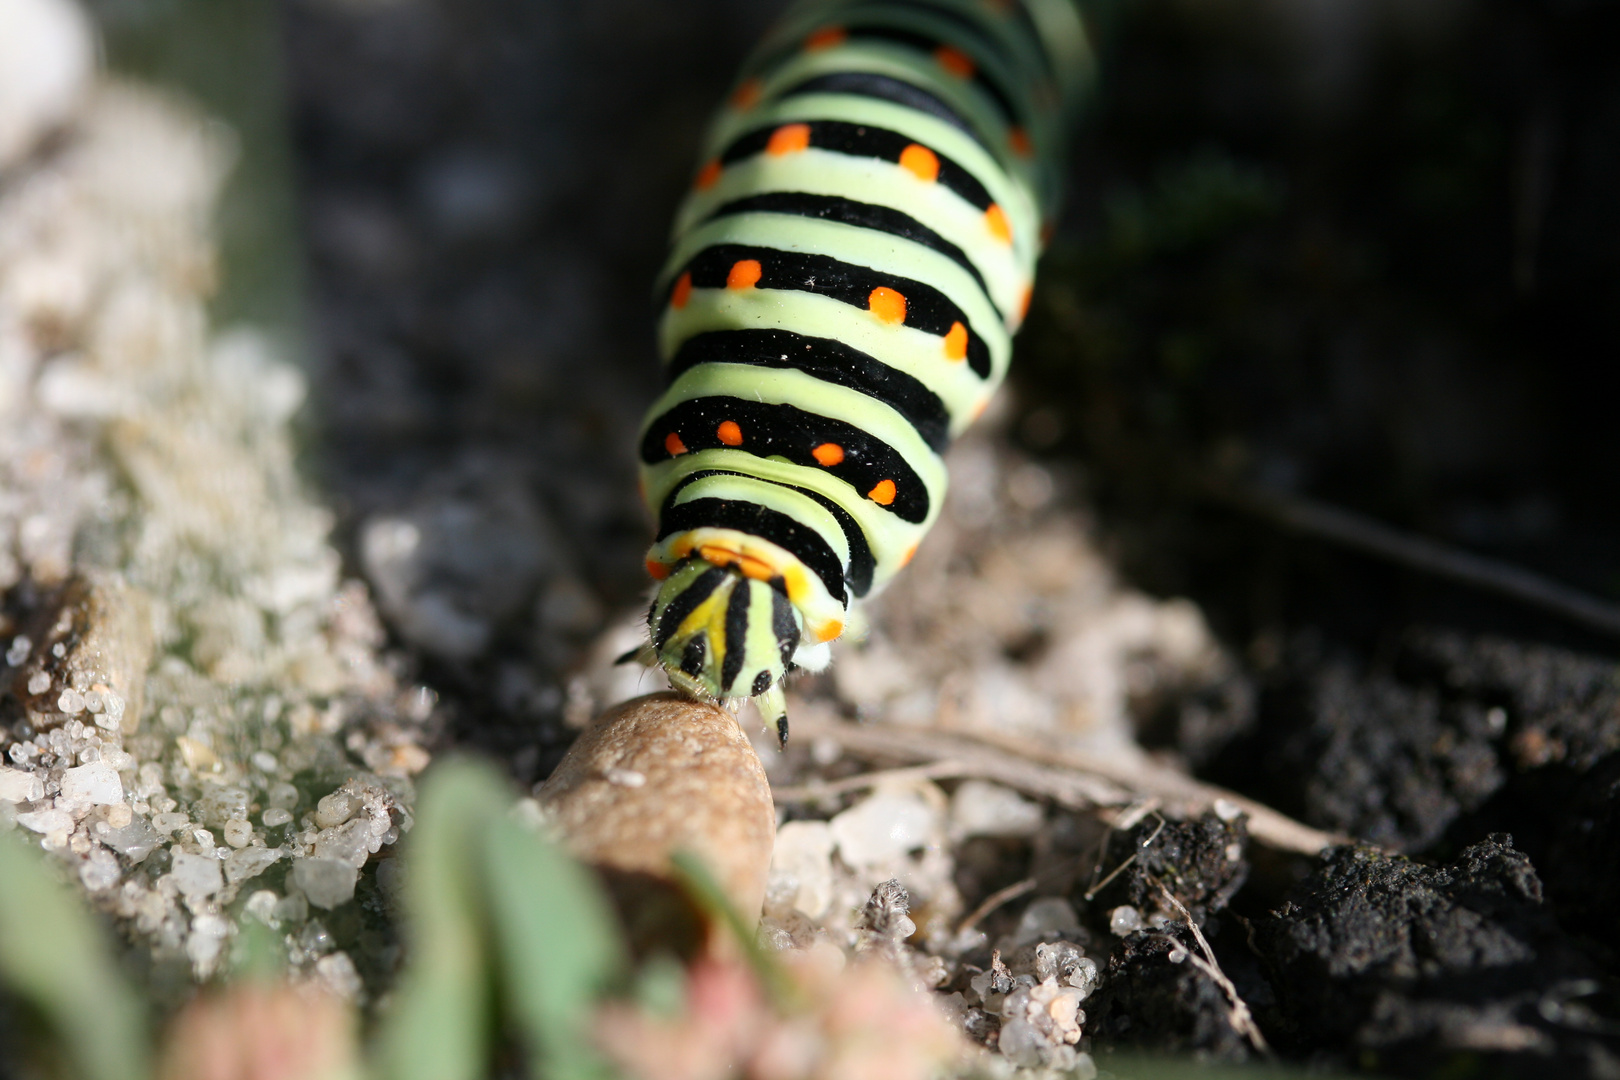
(662, 774)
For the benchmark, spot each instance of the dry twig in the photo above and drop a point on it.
(1120, 869)
(1352, 530)
(1241, 1019)
(816, 790)
(994, 901)
(1075, 781)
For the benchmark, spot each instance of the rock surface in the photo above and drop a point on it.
(186, 672)
(661, 775)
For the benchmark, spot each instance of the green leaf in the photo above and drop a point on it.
(54, 956)
(706, 893)
(441, 1021)
(560, 947)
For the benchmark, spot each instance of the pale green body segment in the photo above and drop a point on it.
(903, 348)
(876, 181)
(838, 402)
(889, 536)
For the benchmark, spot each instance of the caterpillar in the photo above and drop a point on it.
(846, 274)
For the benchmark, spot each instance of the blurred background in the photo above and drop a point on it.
(1363, 253)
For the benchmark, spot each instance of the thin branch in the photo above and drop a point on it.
(1120, 869)
(1352, 530)
(1075, 791)
(816, 790)
(995, 900)
(1241, 1018)
(1073, 780)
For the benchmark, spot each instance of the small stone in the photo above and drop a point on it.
(1046, 919)
(199, 758)
(1124, 920)
(21, 646)
(249, 862)
(238, 832)
(292, 908)
(1227, 810)
(1063, 961)
(276, 817)
(883, 828)
(70, 702)
(18, 786)
(207, 940)
(351, 843)
(334, 809)
(38, 683)
(96, 784)
(196, 876)
(801, 866)
(134, 841)
(168, 822)
(221, 804)
(326, 882)
(49, 822)
(980, 808)
(265, 761)
(706, 793)
(1021, 1043)
(119, 815)
(262, 906)
(99, 871)
(282, 796)
(47, 56)
(337, 971)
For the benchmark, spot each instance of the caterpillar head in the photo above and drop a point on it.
(721, 635)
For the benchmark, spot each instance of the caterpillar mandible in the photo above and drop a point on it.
(845, 278)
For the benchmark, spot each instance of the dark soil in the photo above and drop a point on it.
(1363, 253)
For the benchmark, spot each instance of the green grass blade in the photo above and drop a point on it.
(559, 947)
(441, 1022)
(54, 956)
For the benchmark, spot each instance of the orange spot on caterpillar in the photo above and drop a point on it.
(708, 176)
(955, 61)
(1023, 301)
(920, 162)
(883, 494)
(828, 454)
(825, 38)
(744, 274)
(956, 342)
(788, 139)
(672, 443)
(657, 570)
(829, 630)
(751, 567)
(682, 292)
(910, 553)
(888, 305)
(995, 219)
(747, 94)
(729, 433)
(1018, 139)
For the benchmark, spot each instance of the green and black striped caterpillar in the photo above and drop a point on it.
(846, 277)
